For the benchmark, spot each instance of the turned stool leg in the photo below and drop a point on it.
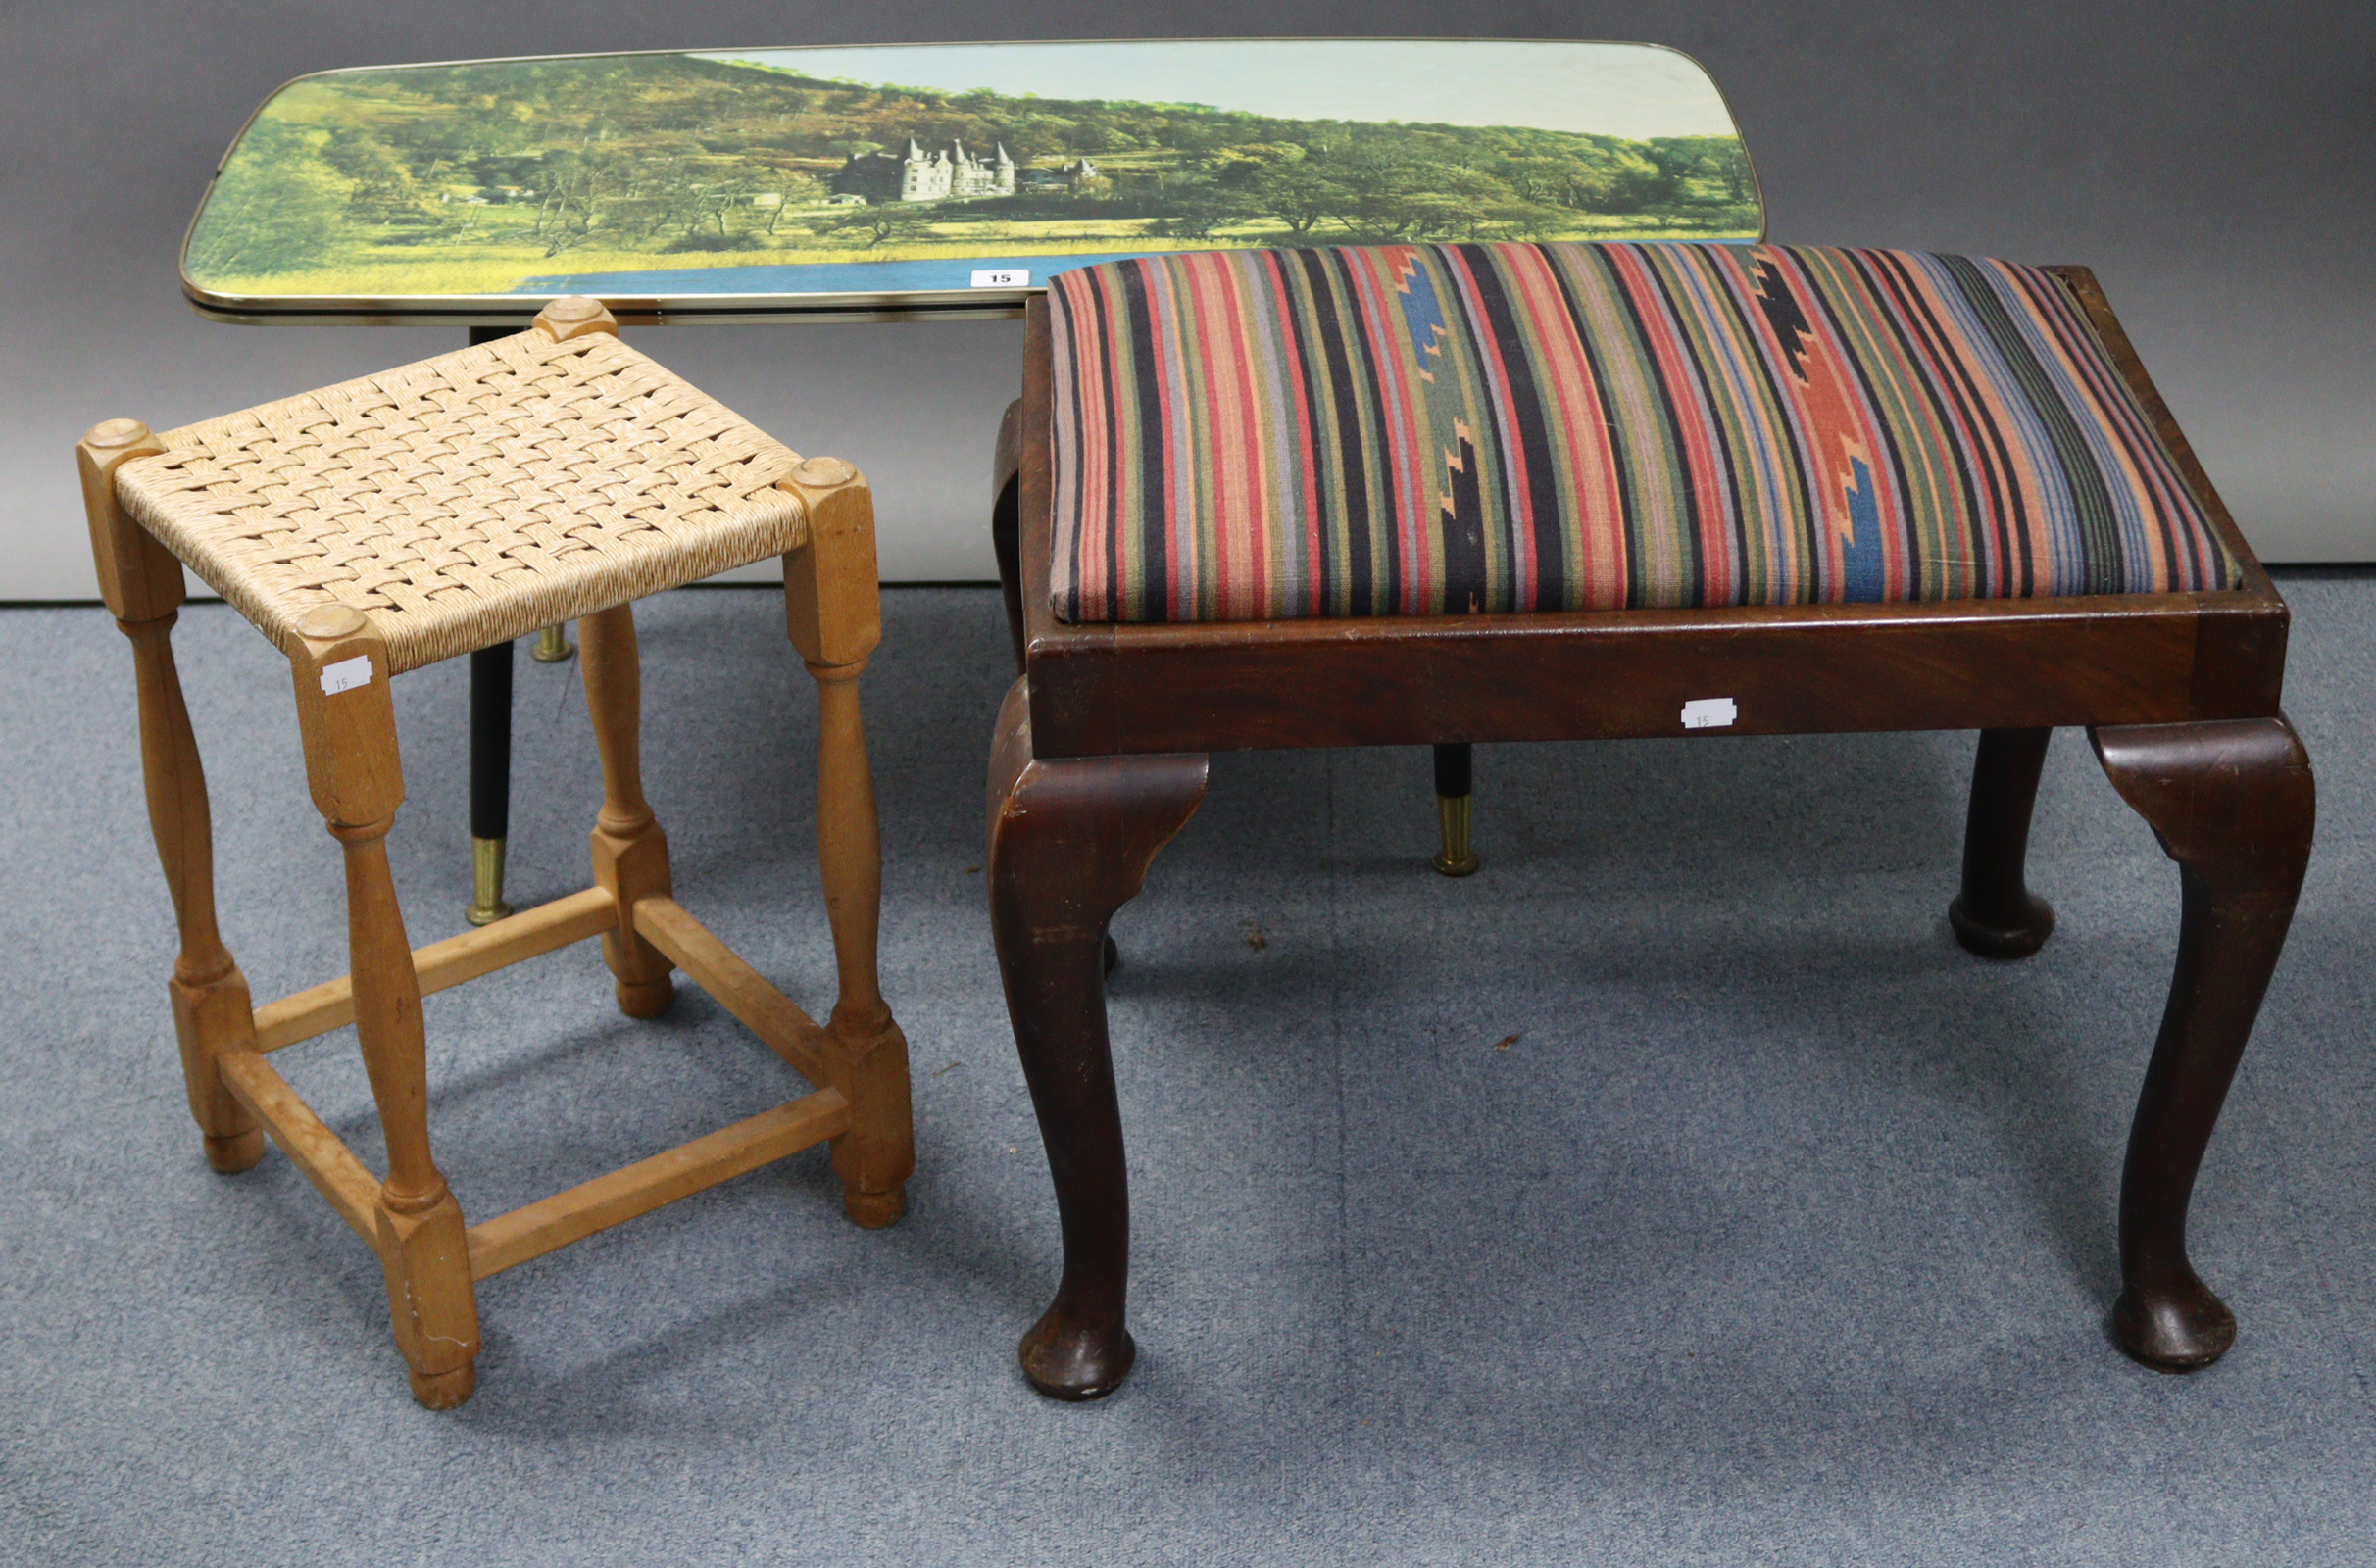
(358, 783)
(2233, 802)
(213, 1011)
(1996, 915)
(1070, 842)
(833, 613)
(876, 1155)
(630, 852)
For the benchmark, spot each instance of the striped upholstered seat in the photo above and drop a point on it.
(1426, 430)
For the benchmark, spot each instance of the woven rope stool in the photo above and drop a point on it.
(385, 524)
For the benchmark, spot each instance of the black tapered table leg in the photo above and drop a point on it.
(490, 780)
(1457, 857)
(490, 755)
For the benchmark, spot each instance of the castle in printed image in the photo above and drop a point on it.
(913, 174)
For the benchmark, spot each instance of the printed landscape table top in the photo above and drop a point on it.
(934, 178)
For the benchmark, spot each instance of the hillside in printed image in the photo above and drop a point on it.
(474, 178)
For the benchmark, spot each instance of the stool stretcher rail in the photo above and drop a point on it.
(555, 1222)
(739, 989)
(310, 1145)
(442, 965)
(512, 1239)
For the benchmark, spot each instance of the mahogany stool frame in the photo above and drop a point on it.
(858, 1061)
(1100, 757)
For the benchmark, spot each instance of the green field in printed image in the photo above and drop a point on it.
(737, 173)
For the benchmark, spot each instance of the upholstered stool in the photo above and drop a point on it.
(1466, 493)
(385, 524)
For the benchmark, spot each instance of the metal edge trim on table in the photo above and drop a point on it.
(496, 309)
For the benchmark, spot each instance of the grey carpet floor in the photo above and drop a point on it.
(1673, 1192)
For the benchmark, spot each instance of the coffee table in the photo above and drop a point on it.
(919, 182)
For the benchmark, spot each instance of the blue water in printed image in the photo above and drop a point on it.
(816, 278)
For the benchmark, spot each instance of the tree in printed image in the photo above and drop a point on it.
(881, 225)
(385, 190)
(1300, 195)
(276, 209)
(1719, 162)
(1383, 192)
(1196, 208)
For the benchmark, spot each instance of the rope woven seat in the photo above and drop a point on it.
(470, 498)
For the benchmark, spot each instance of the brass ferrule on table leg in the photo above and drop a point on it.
(551, 649)
(486, 879)
(1456, 857)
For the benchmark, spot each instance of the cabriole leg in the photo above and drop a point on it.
(1070, 842)
(630, 852)
(1006, 539)
(1996, 915)
(2233, 802)
(358, 783)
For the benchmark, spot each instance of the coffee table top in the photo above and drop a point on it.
(926, 179)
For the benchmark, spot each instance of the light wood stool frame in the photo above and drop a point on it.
(857, 1060)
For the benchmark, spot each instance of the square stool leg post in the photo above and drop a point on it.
(213, 1011)
(1069, 843)
(630, 852)
(833, 611)
(348, 719)
(2234, 804)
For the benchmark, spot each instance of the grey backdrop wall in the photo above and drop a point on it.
(2215, 163)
